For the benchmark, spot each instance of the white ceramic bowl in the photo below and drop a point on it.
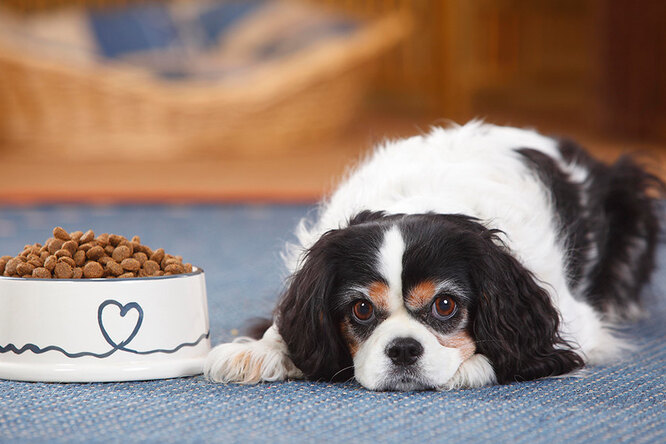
(85, 330)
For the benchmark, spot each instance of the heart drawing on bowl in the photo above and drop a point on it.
(122, 331)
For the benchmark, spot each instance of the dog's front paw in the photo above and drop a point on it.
(249, 361)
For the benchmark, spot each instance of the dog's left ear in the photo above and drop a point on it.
(305, 316)
(515, 324)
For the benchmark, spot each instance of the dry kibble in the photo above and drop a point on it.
(50, 262)
(130, 264)
(114, 239)
(151, 267)
(121, 253)
(79, 255)
(103, 239)
(104, 259)
(35, 262)
(141, 257)
(157, 255)
(174, 268)
(55, 245)
(41, 273)
(95, 253)
(63, 270)
(128, 244)
(79, 258)
(62, 252)
(70, 246)
(114, 268)
(24, 268)
(87, 237)
(67, 260)
(60, 233)
(93, 270)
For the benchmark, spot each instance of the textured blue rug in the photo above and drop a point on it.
(239, 247)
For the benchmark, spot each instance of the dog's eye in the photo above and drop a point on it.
(443, 308)
(363, 311)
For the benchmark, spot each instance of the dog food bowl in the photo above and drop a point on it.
(86, 330)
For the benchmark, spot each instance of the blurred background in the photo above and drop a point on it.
(260, 100)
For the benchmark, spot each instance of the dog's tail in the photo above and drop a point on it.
(630, 206)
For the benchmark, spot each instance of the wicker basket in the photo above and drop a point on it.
(96, 110)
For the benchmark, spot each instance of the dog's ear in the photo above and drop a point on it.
(305, 316)
(515, 325)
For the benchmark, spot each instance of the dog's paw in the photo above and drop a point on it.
(249, 361)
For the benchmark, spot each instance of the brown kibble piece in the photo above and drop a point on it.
(127, 275)
(174, 268)
(41, 273)
(128, 244)
(50, 263)
(10, 268)
(3, 263)
(62, 252)
(103, 239)
(87, 237)
(151, 267)
(67, 260)
(43, 255)
(104, 259)
(24, 268)
(121, 253)
(130, 264)
(157, 255)
(136, 239)
(93, 270)
(60, 233)
(76, 235)
(63, 270)
(95, 253)
(114, 239)
(70, 246)
(35, 262)
(55, 245)
(79, 258)
(141, 257)
(188, 268)
(114, 268)
(77, 273)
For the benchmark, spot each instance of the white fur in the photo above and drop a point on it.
(249, 361)
(473, 170)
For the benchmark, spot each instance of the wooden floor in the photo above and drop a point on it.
(294, 177)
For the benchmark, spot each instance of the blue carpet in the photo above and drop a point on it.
(238, 246)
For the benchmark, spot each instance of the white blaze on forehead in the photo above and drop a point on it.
(390, 266)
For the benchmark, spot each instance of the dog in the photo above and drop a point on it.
(465, 257)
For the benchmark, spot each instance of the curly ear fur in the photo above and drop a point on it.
(515, 324)
(305, 317)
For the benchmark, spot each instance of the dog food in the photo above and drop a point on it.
(80, 255)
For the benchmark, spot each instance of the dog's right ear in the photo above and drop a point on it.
(305, 316)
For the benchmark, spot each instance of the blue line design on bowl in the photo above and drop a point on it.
(124, 309)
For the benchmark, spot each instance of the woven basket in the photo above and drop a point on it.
(97, 110)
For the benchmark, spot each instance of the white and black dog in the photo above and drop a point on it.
(469, 256)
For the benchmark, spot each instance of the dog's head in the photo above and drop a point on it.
(402, 301)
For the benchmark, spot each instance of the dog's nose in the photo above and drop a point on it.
(404, 351)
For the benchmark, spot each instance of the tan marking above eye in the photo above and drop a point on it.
(421, 294)
(378, 292)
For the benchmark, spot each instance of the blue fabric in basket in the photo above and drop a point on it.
(210, 39)
(238, 246)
